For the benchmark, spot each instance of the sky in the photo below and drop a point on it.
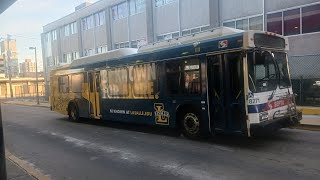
(24, 21)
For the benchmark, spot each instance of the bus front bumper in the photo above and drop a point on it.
(275, 124)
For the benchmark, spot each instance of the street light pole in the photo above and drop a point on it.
(36, 63)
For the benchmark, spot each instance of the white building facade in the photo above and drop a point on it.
(112, 24)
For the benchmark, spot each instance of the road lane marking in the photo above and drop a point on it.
(164, 165)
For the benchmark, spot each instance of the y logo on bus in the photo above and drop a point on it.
(161, 116)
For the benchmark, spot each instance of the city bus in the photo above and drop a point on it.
(220, 81)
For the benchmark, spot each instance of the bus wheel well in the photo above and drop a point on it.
(189, 121)
(72, 103)
(182, 109)
(73, 111)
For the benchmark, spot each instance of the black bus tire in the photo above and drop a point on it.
(190, 124)
(73, 113)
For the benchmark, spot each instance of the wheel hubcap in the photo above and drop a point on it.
(191, 123)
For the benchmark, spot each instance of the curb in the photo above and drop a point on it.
(308, 127)
(24, 165)
(21, 104)
(310, 111)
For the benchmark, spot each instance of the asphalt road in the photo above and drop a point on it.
(94, 150)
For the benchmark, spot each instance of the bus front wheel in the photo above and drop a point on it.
(73, 113)
(190, 124)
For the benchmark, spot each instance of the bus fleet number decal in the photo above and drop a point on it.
(254, 101)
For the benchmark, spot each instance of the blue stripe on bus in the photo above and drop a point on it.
(257, 108)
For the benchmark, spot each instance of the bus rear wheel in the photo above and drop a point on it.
(73, 113)
(190, 125)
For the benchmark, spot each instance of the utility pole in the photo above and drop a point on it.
(9, 64)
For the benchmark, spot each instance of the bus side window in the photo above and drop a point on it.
(192, 83)
(97, 81)
(90, 82)
(173, 77)
(183, 77)
(63, 82)
(76, 83)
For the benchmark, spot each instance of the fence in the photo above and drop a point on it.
(305, 76)
(20, 91)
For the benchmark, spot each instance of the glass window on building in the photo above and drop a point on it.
(137, 6)
(87, 22)
(126, 45)
(205, 28)
(140, 6)
(56, 60)
(67, 58)
(114, 11)
(48, 37)
(119, 11)
(186, 32)
(99, 18)
(242, 24)
(101, 49)
(67, 30)
(84, 23)
(122, 10)
(231, 24)
(256, 23)
(90, 52)
(163, 2)
(132, 7)
(54, 35)
(167, 36)
(196, 30)
(134, 44)
(291, 23)
(74, 55)
(175, 35)
(274, 23)
(169, 1)
(311, 19)
(90, 22)
(160, 38)
(64, 58)
(74, 28)
(159, 3)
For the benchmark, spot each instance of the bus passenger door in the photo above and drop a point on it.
(94, 94)
(226, 92)
(216, 92)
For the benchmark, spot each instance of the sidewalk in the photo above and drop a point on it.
(28, 103)
(14, 172)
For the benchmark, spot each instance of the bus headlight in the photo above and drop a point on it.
(263, 116)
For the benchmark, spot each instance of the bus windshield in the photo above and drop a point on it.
(267, 70)
(281, 60)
